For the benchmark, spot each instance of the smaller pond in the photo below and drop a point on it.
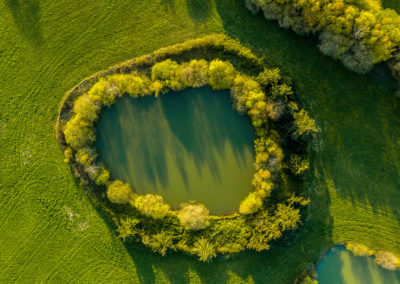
(342, 266)
(188, 145)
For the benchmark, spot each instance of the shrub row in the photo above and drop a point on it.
(359, 33)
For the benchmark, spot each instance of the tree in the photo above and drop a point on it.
(269, 77)
(152, 205)
(304, 123)
(204, 249)
(161, 242)
(127, 228)
(195, 74)
(119, 192)
(193, 216)
(221, 74)
(251, 204)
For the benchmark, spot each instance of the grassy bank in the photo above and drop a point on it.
(49, 229)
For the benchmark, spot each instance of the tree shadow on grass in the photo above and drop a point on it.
(357, 114)
(199, 10)
(26, 14)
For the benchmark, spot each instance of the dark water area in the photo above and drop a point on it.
(341, 266)
(188, 145)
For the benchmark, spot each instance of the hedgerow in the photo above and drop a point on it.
(147, 218)
(359, 33)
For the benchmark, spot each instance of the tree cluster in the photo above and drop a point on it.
(359, 33)
(191, 229)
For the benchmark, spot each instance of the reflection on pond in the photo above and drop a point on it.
(185, 146)
(341, 266)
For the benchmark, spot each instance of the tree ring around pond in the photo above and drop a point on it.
(262, 94)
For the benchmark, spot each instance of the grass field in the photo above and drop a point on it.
(49, 230)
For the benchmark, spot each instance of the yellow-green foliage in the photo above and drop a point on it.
(298, 165)
(359, 249)
(358, 33)
(305, 124)
(168, 72)
(87, 110)
(79, 132)
(151, 205)
(193, 216)
(68, 154)
(127, 228)
(160, 242)
(221, 74)
(387, 260)
(103, 177)
(85, 156)
(204, 249)
(251, 204)
(195, 74)
(269, 77)
(119, 192)
(132, 84)
(103, 92)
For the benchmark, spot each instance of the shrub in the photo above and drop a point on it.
(387, 260)
(298, 165)
(161, 242)
(87, 110)
(193, 216)
(103, 178)
(221, 74)
(251, 204)
(79, 132)
(305, 124)
(127, 228)
(204, 249)
(152, 205)
(195, 74)
(119, 192)
(167, 72)
(269, 77)
(358, 249)
(104, 93)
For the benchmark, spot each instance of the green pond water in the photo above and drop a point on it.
(188, 145)
(340, 266)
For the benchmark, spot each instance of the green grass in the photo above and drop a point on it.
(49, 230)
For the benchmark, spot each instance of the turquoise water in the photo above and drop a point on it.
(188, 145)
(340, 266)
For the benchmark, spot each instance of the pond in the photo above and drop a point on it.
(341, 266)
(189, 145)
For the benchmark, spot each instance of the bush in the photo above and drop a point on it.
(104, 93)
(269, 77)
(167, 72)
(251, 204)
(87, 110)
(221, 74)
(195, 74)
(152, 205)
(119, 192)
(387, 260)
(305, 124)
(193, 216)
(79, 132)
(204, 249)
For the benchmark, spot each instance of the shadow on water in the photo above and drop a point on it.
(183, 145)
(342, 267)
(26, 14)
(204, 127)
(357, 114)
(199, 10)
